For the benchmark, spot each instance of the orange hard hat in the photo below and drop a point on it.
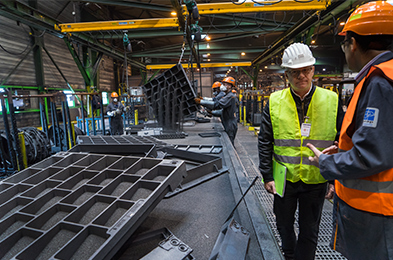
(373, 18)
(114, 94)
(216, 84)
(229, 80)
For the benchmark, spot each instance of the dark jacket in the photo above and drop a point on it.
(373, 148)
(228, 105)
(265, 137)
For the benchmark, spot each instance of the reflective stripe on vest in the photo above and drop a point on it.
(289, 146)
(374, 193)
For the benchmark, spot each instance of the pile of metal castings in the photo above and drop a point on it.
(81, 205)
(36, 145)
(171, 96)
(57, 136)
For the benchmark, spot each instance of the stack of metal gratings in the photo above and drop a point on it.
(171, 96)
(120, 139)
(80, 205)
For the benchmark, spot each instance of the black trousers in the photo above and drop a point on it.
(116, 125)
(310, 198)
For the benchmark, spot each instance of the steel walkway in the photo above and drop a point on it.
(247, 150)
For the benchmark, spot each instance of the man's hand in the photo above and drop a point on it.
(270, 187)
(315, 151)
(330, 192)
(109, 113)
(197, 100)
(331, 149)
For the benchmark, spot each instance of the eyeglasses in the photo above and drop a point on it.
(296, 73)
(343, 44)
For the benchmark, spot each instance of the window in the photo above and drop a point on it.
(105, 98)
(70, 98)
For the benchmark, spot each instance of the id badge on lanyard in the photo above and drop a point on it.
(305, 127)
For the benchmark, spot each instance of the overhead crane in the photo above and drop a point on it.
(203, 65)
(204, 9)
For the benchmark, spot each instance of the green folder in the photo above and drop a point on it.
(280, 177)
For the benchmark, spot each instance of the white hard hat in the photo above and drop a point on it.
(297, 55)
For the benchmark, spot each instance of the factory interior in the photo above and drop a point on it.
(170, 184)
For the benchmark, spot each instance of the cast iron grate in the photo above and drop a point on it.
(171, 96)
(80, 205)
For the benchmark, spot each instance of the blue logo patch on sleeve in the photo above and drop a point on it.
(371, 117)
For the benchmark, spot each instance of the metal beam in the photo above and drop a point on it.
(203, 65)
(228, 7)
(303, 25)
(212, 52)
(20, 12)
(149, 6)
(219, 8)
(137, 34)
(266, 6)
(77, 61)
(118, 25)
(265, 22)
(177, 46)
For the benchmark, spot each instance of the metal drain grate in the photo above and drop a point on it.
(324, 252)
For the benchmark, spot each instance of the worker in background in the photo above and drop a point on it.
(234, 91)
(363, 169)
(228, 105)
(96, 102)
(115, 110)
(291, 118)
(217, 93)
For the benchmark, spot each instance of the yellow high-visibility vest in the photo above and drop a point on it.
(289, 145)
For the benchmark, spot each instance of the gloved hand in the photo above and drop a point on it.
(110, 113)
(197, 100)
(118, 112)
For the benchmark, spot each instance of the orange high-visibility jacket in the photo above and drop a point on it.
(374, 193)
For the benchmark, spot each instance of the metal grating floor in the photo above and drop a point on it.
(250, 161)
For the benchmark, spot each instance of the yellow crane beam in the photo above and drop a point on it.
(118, 25)
(203, 65)
(204, 9)
(265, 6)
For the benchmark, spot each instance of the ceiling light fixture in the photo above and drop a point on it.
(313, 41)
(243, 53)
(342, 23)
(173, 13)
(207, 38)
(208, 45)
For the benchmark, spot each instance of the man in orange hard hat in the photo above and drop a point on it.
(217, 93)
(228, 105)
(363, 167)
(115, 110)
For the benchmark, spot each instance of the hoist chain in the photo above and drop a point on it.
(183, 47)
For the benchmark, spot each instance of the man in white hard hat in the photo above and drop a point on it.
(292, 118)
